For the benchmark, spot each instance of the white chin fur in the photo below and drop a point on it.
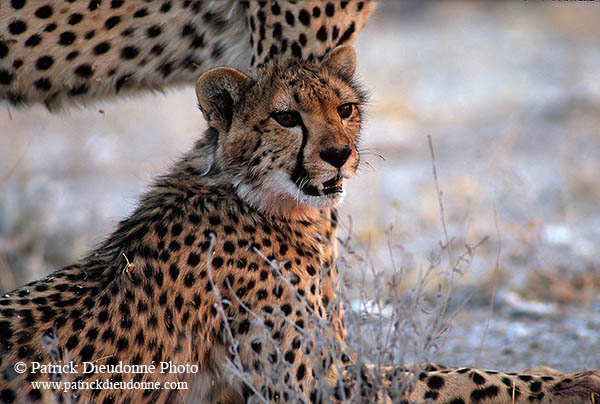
(277, 192)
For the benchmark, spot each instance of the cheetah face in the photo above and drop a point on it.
(288, 135)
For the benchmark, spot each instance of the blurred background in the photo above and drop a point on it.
(509, 93)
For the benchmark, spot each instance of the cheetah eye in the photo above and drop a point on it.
(287, 119)
(344, 111)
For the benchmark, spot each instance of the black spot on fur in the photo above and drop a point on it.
(112, 22)
(302, 39)
(166, 6)
(277, 30)
(304, 17)
(35, 394)
(535, 387)
(75, 18)
(188, 29)
(8, 396)
(101, 48)
(43, 12)
(94, 4)
(256, 346)
(484, 393)
(72, 342)
(6, 77)
(121, 81)
(289, 18)
(189, 279)
(322, 33)
(17, 27)
(140, 13)
(33, 41)
(244, 327)
(477, 378)
(290, 356)
(72, 55)
(3, 49)
(154, 31)
(84, 70)
(79, 90)
(87, 353)
(275, 9)
(296, 50)
(157, 49)
(329, 10)
(44, 62)
(166, 69)
(435, 382)
(17, 4)
(129, 52)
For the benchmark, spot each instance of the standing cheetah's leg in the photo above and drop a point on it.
(307, 29)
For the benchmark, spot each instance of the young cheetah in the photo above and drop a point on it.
(188, 279)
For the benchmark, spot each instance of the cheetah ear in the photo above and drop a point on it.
(219, 91)
(342, 62)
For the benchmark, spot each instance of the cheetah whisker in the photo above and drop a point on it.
(300, 182)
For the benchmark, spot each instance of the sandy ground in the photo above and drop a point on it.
(509, 94)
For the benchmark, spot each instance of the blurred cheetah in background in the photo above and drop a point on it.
(71, 52)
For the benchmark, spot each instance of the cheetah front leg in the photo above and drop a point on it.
(467, 385)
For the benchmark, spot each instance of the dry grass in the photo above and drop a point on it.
(386, 330)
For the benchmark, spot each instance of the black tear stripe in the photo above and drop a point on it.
(300, 171)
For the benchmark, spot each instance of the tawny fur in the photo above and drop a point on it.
(191, 268)
(58, 52)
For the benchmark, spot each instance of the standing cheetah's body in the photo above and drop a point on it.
(58, 52)
(259, 188)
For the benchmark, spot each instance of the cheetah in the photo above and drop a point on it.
(229, 260)
(73, 52)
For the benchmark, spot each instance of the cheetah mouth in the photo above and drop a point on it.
(328, 188)
(333, 186)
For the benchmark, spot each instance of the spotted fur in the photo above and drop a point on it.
(237, 244)
(60, 52)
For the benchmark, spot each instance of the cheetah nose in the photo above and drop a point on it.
(336, 157)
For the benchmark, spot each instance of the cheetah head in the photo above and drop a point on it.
(287, 135)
